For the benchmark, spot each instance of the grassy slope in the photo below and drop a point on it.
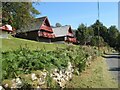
(13, 43)
(95, 76)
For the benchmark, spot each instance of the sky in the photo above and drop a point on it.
(119, 16)
(75, 13)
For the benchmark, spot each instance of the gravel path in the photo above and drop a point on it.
(113, 61)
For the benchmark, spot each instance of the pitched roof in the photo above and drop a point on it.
(7, 28)
(33, 25)
(61, 31)
(74, 33)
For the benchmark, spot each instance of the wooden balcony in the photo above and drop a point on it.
(70, 34)
(46, 34)
(46, 28)
(73, 40)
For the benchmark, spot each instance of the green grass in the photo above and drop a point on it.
(95, 76)
(14, 43)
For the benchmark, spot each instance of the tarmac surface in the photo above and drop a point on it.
(113, 61)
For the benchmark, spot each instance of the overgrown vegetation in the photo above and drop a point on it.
(23, 60)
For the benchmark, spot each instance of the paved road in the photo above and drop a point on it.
(113, 61)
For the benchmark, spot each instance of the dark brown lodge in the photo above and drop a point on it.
(38, 30)
(41, 30)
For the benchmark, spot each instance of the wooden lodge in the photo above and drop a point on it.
(39, 30)
(64, 34)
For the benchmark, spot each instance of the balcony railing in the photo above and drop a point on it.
(70, 34)
(46, 28)
(68, 39)
(46, 34)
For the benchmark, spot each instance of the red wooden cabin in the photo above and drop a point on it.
(39, 30)
(64, 34)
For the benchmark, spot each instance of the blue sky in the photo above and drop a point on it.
(75, 13)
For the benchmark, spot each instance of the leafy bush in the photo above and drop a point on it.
(23, 60)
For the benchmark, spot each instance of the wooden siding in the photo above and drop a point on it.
(28, 35)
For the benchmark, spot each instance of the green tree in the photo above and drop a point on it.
(18, 14)
(103, 32)
(58, 25)
(90, 34)
(95, 27)
(84, 34)
(118, 42)
(107, 36)
(91, 31)
(113, 35)
(81, 34)
(95, 41)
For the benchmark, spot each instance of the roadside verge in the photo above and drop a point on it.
(95, 76)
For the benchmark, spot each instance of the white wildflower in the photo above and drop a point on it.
(33, 76)
(1, 87)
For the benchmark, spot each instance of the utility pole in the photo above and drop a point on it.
(85, 34)
(98, 28)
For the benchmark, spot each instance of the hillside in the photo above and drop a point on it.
(13, 43)
(26, 63)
